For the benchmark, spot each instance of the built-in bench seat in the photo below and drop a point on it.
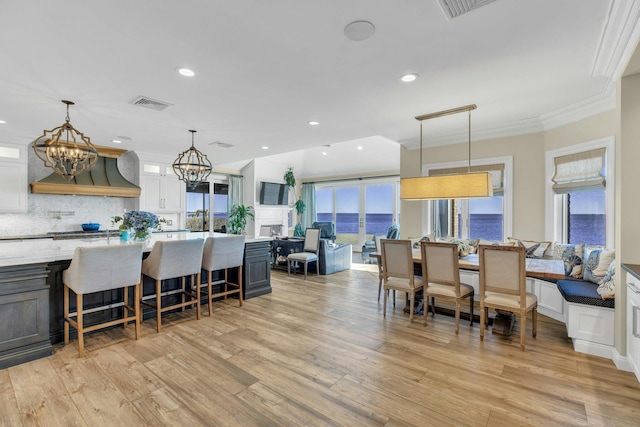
(589, 318)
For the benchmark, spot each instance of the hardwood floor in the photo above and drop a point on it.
(318, 352)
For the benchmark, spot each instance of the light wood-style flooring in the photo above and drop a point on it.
(318, 353)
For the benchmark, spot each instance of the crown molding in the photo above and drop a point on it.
(618, 40)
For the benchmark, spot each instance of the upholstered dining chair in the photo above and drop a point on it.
(97, 269)
(441, 278)
(174, 259)
(223, 253)
(397, 271)
(309, 252)
(503, 286)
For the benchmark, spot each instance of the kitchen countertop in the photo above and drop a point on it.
(44, 250)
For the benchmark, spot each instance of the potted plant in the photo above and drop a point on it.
(299, 205)
(238, 218)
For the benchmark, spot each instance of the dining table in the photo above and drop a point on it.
(538, 268)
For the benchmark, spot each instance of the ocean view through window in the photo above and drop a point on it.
(586, 219)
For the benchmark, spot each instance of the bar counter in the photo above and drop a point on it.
(31, 289)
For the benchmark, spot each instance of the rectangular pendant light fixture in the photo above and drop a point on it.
(459, 186)
(456, 186)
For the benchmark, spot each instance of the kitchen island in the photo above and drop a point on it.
(31, 289)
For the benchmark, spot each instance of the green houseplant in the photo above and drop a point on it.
(238, 218)
(299, 205)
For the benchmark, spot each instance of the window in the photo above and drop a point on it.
(220, 202)
(580, 193)
(586, 217)
(486, 218)
(359, 209)
(198, 207)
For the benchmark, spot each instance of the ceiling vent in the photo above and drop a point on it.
(221, 144)
(152, 104)
(454, 8)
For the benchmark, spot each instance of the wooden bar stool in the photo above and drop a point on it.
(223, 253)
(98, 269)
(169, 260)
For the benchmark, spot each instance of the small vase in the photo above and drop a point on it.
(141, 235)
(124, 235)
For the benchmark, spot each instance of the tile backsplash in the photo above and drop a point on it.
(50, 212)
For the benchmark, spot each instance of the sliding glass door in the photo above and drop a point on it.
(359, 209)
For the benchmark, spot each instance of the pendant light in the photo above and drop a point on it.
(65, 149)
(455, 186)
(192, 166)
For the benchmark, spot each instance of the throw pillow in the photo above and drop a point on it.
(572, 256)
(464, 247)
(541, 248)
(597, 263)
(431, 237)
(608, 287)
(494, 243)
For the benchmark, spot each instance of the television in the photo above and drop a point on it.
(272, 193)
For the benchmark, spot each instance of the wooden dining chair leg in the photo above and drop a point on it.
(125, 302)
(209, 293)
(483, 314)
(523, 330)
(136, 309)
(80, 325)
(534, 322)
(198, 307)
(65, 302)
(411, 306)
(384, 305)
(425, 310)
(457, 315)
(471, 309)
(433, 306)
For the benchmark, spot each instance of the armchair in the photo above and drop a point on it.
(327, 229)
(370, 245)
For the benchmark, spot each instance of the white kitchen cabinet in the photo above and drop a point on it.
(162, 191)
(13, 178)
(633, 321)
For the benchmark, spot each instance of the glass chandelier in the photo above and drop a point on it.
(65, 149)
(192, 166)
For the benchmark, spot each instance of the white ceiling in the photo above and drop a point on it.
(265, 68)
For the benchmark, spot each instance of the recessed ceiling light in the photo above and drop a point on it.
(409, 77)
(264, 147)
(324, 153)
(359, 30)
(2, 122)
(186, 72)
(359, 147)
(116, 141)
(314, 123)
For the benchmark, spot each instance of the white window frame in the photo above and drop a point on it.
(555, 204)
(507, 197)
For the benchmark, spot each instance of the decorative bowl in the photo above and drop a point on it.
(90, 226)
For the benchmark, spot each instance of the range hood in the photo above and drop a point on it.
(103, 179)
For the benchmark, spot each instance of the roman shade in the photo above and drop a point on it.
(496, 171)
(579, 172)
